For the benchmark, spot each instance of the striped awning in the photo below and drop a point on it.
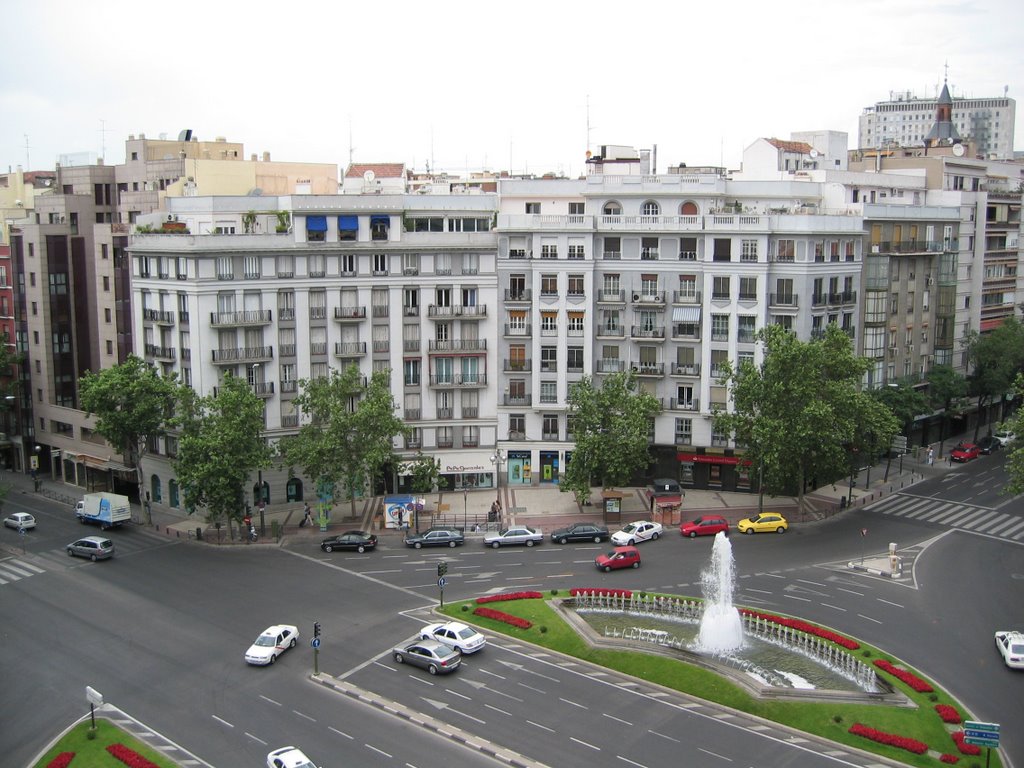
(686, 314)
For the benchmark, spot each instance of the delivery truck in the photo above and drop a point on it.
(106, 509)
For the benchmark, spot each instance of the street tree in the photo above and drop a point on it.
(424, 471)
(801, 415)
(221, 444)
(1015, 461)
(611, 425)
(350, 435)
(906, 402)
(947, 391)
(994, 358)
(132, 403)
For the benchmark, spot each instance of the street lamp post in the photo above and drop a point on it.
(497, 459)
(262, 502)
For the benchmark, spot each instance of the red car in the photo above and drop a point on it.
(965, 452)
(620, 557)
(705, 525)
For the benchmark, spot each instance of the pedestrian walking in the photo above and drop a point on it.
(307, 515)
(931, 456)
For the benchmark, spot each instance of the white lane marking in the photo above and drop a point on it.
(538, 725)
(222, 720)
(868, 618)
(585, 744)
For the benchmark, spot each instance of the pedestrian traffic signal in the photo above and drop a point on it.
(316, 629)
(442, 569)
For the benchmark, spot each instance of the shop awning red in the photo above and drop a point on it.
(704, 458)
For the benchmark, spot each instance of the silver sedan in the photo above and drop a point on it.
(520, 534)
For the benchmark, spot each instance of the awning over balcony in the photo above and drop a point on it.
(316, 223)
(348, 223)
(380, 218)
(686, 314)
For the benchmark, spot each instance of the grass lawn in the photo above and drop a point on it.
(831, 720)
(92, 753)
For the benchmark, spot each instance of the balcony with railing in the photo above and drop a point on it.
(445, 413)
(457, 345)
(648, 223)
(686, 331)
(842, 297)
(286, 313)
(517, 365)
(606, 296)
(685, 369)
(380, 310)
(318, 348)
(411, 345)
(648, 369)
(517, 400)
(784, 300)
(553, 436)
(610, 365)
(470, 412)
(464, 311)
(413, 414)
(413, 442)
(461, 380)
(745, 336)
(545, 221)
(289, 386)
(518, 295)
(686, 297)
(445, 442)
(349, 314)
(381, 346)
(649, 254)
(647, 332)
(243, 355)
(411, 310)
(236, 319)
(676, 404)
(650, 298)
(290, 420)
(317, 313)
(611, 332)
(517, 331)
(158, 316)
(259, 388)
(346, 349)
(161, 353)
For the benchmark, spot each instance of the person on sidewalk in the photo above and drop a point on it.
(307, 515)
(931, 456)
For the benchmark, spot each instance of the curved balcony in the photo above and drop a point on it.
(238, 319)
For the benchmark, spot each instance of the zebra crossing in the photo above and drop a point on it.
(968, 517)
(17, 567)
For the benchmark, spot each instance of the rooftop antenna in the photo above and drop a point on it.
(432, 147)
(103, 138)
(351, 149)
(588, 122)
(28, 164)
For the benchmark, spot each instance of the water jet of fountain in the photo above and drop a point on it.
(721, 630)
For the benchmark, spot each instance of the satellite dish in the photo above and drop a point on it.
(369, 176)
(813, 153)
(958, 150)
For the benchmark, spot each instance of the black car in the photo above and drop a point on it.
(436, 537)
(360, 541)
(988, 444)
(580, 532)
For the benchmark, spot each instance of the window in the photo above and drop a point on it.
(649, 249)
(576, 209)
(688, 287)
(650, 208)
(317, 305)
(720, 288)
(106, 313)
(549, 359)
(411, 370)
(549, 392)
(575, 325)
(748, 288)
(576, 252)
(549, 251)
(574, 359)
(723, 249)
(286, 305)
(719, 327)
(348, 264)
(110, 347)
(549, 323)
(576, 285)
(748, 250)
(549, 430)
(688, 249)
(684, 431)
(380, 264)
(747, 325)
(786, 250)
(611, 208)
(225, 268)
(316, 265)
(516, 426)
(549, 285)
(424, 224)
(533, 207)
(612, 248)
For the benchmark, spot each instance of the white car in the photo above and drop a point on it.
(271, 643)
(1005, 437)
(1011, 646)
(455, 635)
(634, 533)
(288, 757)
(519, 534)
(20, 520)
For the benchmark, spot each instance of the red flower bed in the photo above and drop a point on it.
(948, 713)
(61, 760)
(891, 739)
(575, 591)
(510, 596)
(964, 747)
(130, 757)
(912, 680)
(947, 758)
(803, 626)
(515, 621)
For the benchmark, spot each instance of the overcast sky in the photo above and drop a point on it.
(481, 84)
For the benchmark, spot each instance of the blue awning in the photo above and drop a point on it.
(378, 218)
(348, 223)
(316, 223)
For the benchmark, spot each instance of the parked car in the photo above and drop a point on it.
(455, 635)
(1011, 646)
(1005, 436)
(765, 522)
(705, 525)
(580, 532)
(520, 534)
(272, 642)
(93, 547)
(434, 656)
(358, 541)
(642, 530)
(989, 443)
(436, 537)
(964, 452)
(20, 520)
(620, 557)
(288, 757)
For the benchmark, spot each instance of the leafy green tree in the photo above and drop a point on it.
(1015, 461)
(221, 445)
(947, 389)
(995, 358)
(801, 414)
(611, 427)
(424, 471)
(132, 403)
(905, 402)
(351, 432)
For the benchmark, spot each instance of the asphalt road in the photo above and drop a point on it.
(161, 630)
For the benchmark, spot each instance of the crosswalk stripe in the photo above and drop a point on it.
(971, 519)
(982, 519)
(963, 514)
(985, 524)
(1004, 521)
(911, 506)
(1014, 530)
(946, 512)
(11, 567)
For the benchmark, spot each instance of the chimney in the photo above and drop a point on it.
(266, 157)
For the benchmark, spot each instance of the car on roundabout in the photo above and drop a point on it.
(455, 635)
(964, 452)
(580, 532)
(355, 541)
(436, 537)
(634, 533)
(1011, 647)
(763, 522)
(431, 655)
(620, 557)
(272, 642)
(705, 525)
(519, 534)
(20, 521)
(289, 757)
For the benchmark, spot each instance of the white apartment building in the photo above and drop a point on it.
(905, 121)
(405, 283)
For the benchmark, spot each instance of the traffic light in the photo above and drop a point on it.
(316, 629)
(442, 568)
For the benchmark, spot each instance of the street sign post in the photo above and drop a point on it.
(981, 734)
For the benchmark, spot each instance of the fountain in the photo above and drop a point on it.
(721, 630)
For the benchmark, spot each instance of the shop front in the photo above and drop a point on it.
(714, 471)
(461, 470)
(520, 470)
(549, 466)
